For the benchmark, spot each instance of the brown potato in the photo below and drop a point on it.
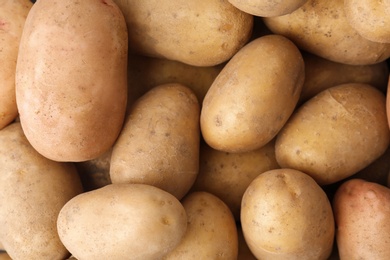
(362, 211)
(321, 28)
(199, 33)
(159, 143)
(268, 8)
(13, 15)
(253, 96)
(71, 82)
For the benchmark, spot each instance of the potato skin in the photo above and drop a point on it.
(268, 8)
(286, 215)
(134, 221)
(159, 143)
(33, 190)
(71, 81)
(253, 96)
(13, 15)
(362, 211)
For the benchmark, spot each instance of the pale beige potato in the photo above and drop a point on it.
(33, 190)
(335, 134)
(322, 28)
(285, 214)
(159, 143)
(228, 175)
(321, 74)
(370, 18)
(253, 96)
(211, 230)
(13, 15)
(267, 8)
(122, 221)
(362, 212)
(199, 33)
(71, 78)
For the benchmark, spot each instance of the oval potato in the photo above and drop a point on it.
(268, 8)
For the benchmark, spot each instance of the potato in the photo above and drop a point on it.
(362, 211)
(253, 96)
(268, 8)
(159, 143)
(321, 28)
(13, 14)
(33, 190)
(321, 74)
(227, 175)
(211, 231)
(286, 215)
(335, 134)
(369, 18)
(122, 221)
(244, 253)
(71, 82)
(199, 33)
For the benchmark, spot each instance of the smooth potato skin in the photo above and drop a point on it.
(268, 8)
(33, 190)
(71, 78)
(362, 211)
(13, 15)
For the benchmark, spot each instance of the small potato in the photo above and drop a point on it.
(159, 143)
(122, 221)
(362, 212)
(71, 78)
(13, 15)
(33, 190)
(286, 215)
(335, 134)
(266, 8)
(253, 96)
(211, 230)
(199, 33)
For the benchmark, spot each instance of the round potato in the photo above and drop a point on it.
(122, 221)
(71, 78)
(199, 33)
(268, 8)
(335, 134)
(253, 96)
(362, 211)
(33, 190)
(159, 143)
(211, 230)
(13, 15)
(286, 215)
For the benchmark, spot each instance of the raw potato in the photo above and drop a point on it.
(71, 78)
(200, 33)
(286, 215)
(362, 211)
(122, 221)
(211, 231)
(253, 96)
(13, 14)
(33, 190)
(321, 28)
(335, 134)
(266, 8)
(370, 18)
(227, 175)
(159, 143)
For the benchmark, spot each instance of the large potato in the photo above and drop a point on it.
(335, 134)
(71, 78)
(33, 190)
(200, 33)
(266, 8)
(253, 96)
(13, 14)
(286, 215)
(159, 143)
(321, 27)
(122, 221)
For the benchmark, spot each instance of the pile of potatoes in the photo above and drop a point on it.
(194, 129)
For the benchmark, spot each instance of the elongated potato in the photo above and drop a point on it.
(71, 78)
